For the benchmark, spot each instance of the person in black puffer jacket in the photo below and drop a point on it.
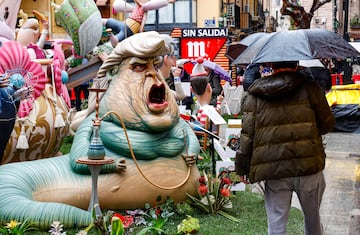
(284, 118)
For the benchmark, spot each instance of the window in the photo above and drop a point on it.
(181, 14)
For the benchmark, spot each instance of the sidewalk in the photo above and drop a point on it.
(341, 202)
(340, 208)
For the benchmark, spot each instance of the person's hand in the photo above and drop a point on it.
(45, 24)
(23, 93)
(244, 179)
(4, 81)
(176, 71)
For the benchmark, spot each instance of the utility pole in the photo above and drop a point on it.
(346, 19)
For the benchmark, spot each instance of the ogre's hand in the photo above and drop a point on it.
(190, 159)
(121, 165)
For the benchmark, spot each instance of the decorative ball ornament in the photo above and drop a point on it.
(17, 80)
(64, 76)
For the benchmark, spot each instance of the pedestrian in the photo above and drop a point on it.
(188, 101)
(320, 75)
(284, 118)
(215, 83)
(252, 72)
(199, 83)
(168, 68)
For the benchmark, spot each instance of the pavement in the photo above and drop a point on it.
(340, 207)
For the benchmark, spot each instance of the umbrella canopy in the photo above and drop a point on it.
(234, 49)
(311, 63)
(301, 44)
(247, 56)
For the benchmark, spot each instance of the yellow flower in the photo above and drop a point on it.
(13, 224)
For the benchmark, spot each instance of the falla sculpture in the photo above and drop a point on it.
(154, 151)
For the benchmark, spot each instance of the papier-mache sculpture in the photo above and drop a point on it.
(135, 22)
(161, 161)
(8, 17)
(81, 19)
(43, 118)
(31, 108)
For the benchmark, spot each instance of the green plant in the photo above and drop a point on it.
(183, 208)
(355, 20)
(214, 194)
(188, 225)
(117, 227)
(17, 228)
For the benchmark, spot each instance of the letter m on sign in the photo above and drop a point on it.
(208, 48)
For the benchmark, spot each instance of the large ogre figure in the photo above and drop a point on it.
(59, 188)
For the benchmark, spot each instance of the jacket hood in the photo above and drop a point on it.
(276, 85)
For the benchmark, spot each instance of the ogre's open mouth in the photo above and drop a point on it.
(156, 99)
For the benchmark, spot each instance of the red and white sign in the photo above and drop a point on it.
(204, 42)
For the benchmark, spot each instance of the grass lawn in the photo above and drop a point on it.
(247, 206)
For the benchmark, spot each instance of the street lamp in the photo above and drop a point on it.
(266, 15)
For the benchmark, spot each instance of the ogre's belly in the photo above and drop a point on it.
(127, 190)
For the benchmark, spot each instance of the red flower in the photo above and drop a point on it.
(157, 212)
(203, 189)
(226, 181)
(127, 220)
(202, 180)
(225, 192)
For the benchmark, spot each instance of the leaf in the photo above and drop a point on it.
(230, 217)
(198, 203)
(117, 227)
(147, 229)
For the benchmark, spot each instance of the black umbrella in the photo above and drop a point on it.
(301, 44)
(247, 55)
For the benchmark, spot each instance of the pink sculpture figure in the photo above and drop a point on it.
(8, 17)
(30, 36)
(135, 22)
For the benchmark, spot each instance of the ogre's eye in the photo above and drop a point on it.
(138, 67)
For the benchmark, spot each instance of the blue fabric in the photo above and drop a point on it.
(118, 28)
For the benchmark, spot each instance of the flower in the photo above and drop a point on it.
(202, 180)
(13, 224)
(203, 190)
(127, 220)
(226, 180)
(225, 192)
(214, 194)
